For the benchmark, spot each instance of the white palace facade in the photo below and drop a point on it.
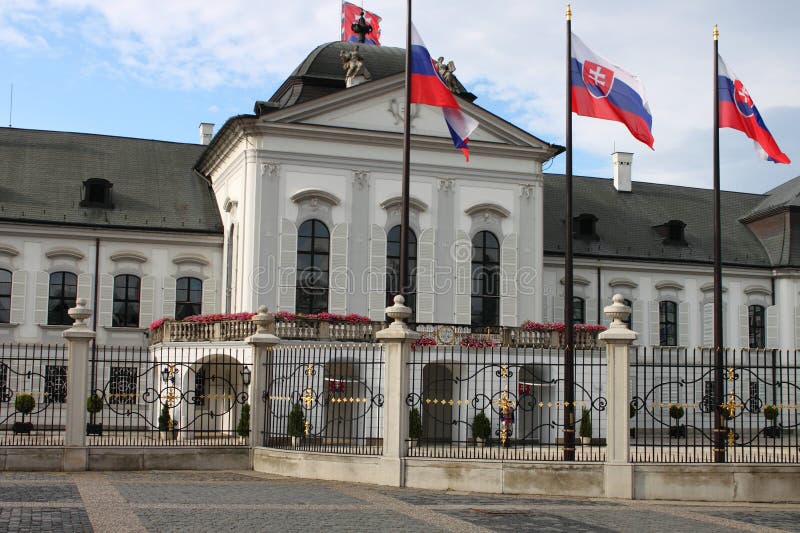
(297, 207)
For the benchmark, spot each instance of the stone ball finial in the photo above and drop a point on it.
(399, 312)
(617, 311)
(80, 313)
(263, 320)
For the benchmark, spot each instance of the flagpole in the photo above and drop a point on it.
(720, 429)
(403, 275)
(569, 361)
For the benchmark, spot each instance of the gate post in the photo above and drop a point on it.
(78, 338)
(397, 339)
(263, 342)
(618, 339)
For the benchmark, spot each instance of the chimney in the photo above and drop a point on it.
(206, 132)
(622, 170)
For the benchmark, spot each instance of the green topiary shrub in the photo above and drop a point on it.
(676, 411)
(94, 404)
(586, 424)
(296, 426)
(164, 421)
(414, 424)
(24, 403)
(770, 412)
(243, 429)
(481, 426)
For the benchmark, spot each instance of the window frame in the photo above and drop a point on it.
(313, 298)
(486, 268)
(128, 303)
(579, 308)
(667, 329)
(59, 316)
(196, 306)
(393, 275)
(120, 384)
(760, 333)
(55, 384)
(5, 296)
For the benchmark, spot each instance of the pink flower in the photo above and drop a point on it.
(158, 323)
(423, 341)
(482, 342)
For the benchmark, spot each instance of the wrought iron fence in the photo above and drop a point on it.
(33, 394)
(673, 405)
(325, 398)
(168, 396)
(503, 403)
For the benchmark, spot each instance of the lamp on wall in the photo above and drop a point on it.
(245, 375)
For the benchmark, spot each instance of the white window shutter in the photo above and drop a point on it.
(209, 304)
(548, 309)
(463, 292)
(683, 324)
(591, 311)
(653, 324)
(41, 299)
(85, 289)
(338, 269)
(744, 327)
(772, 326)
(425, 274)
(637, 322)
(558, 308)
(708, 324)
(19, 286)
(147, 296)
(377, 273)
(105, 311)
(168, 298)
(287, 271)
(796, 325)
(508, 282)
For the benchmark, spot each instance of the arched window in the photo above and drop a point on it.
(126, 301)
(485, 279)
(5, 296)
(393, 266)
(668, 323)
(757, 328)
(188, 297)
(313, 249)
(578, 310)
(63, 291)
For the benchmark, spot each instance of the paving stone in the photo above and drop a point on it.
(775, 518)
(24, 519)
(67, 492)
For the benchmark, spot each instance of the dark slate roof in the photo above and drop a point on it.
(321, 74)
(154, 185)
(626, 220)
(784, 195)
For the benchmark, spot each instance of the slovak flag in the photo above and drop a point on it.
(737, 111)
(428, 87)
(350, 14)
(601, 89)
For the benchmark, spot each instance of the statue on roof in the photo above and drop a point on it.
(355, 71)
(446, 71)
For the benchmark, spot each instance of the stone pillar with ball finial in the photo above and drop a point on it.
(79, 337)
(618, 339)
(263, 342)
(397, 340)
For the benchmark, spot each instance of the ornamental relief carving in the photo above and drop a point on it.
(447, 184)
(271, 169)
(361, 178)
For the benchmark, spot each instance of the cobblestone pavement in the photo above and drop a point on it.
(250, 501)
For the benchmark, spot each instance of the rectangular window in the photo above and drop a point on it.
(55, 384)
(708, 397)
(123, 385)
(756, 326)
(668, 323)
(754, 400)
(200, 387)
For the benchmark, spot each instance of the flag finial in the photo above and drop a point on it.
(569, 12)
(716, 33)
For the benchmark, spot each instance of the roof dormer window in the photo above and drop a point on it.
(96, 193)
(673, 233)
(584, 227)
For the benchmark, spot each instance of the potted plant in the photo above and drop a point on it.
(632, 414)
(773, 430)
(414, 426)
(24, 404)
(585, 430)
(94, 404)
(296, 427)
(243, 428)
(165, 426)
(481, 429)
(678, 430)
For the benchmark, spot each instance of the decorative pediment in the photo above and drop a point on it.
(397, 201)
(757, 289)
(661, 285)
(623, 282)
(7, 249)
(488, 208)
(128, 255)
(64, 253)
(708, 287)
(314, 196)
(190, 259)
(577, 280)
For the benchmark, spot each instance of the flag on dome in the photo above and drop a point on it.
(601, 89)
(428, 87)
(351, 15)
(738, 111)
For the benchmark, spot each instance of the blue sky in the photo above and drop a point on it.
(157, 69)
